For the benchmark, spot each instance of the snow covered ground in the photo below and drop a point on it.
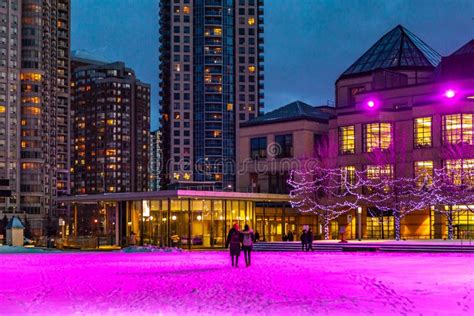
(190, 283)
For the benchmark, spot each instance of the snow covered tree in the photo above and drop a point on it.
(322, 191)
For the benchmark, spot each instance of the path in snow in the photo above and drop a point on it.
(204, 283)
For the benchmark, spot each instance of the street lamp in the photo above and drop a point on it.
(359, 222)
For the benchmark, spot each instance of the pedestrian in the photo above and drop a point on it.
(257, 236)
(233, 242)
(303, 239)
(285, 237)
(247, 237)
(133, 239)
(290, 236)
(342, 232)
(309, 239)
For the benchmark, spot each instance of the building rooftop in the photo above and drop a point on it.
(467, 49)
(87, 57)
(290, 112)
(399, 48)
(15, 222)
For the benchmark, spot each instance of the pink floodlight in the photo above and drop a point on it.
(450, 93)
(371, 103)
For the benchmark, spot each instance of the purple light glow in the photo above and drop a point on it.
(371, 103)
(204, 283)
(450, 93)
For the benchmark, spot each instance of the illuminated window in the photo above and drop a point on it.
(111, 122)
(186, 9)
(30, 110)
(377, 136)
(176, 176)
(110, 152)
(2, 109)
(457, 129)
(258, 147)
(251, 21)
(31, 76)
(347, 139)
(251, 69)
(217, 31)
(460, 170)
(187, 176)
(379, 171)
(423, 171)
(349, 174)
(230, 106)
(35, 100)
(422, 130)
(216, 134)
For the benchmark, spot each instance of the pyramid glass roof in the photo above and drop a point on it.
(397, 48)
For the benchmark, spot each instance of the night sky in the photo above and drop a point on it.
(308, 43)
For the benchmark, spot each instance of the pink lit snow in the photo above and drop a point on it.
(204, 283)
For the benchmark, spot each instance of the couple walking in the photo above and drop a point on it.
(307, 240)
(235, 239)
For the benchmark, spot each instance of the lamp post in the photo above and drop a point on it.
(359, 222)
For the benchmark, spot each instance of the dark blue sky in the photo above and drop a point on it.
(308, 43)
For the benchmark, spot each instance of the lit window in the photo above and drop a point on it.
(186, 9)
(251, 21)
(187, 176)
(217, 31)
(31, 76)
(251, 69)
(349, 174)
(422, 132)
(216, 134)
(35, 100)
(111, 122)
(176, 176)
(458, 169)
(377, 136)
(457, 129)
(2, 109)
(230, 106)
(423, 172)
(347, 139)
(110, 152)
(379, 172)
(30, 110)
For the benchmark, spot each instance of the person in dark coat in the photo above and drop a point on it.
(246, 238)
(233, 242)
(304, 240)
(309, 240)
(290, 236)
(257, 236)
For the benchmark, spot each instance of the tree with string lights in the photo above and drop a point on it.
(400, 196)
(322, 191)
(451, 188)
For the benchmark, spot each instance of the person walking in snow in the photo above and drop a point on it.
(303, 239)
(247, 243)
(309, 240)
(233, 243)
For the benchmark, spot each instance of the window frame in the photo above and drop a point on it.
(415, 138)
(340, 140)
